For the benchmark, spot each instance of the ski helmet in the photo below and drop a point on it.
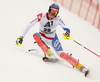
(54, 7)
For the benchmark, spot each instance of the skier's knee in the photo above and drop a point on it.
(59, 52)
(36, 35)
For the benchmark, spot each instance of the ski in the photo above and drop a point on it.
(46, 59)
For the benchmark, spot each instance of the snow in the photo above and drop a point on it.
(18, 65)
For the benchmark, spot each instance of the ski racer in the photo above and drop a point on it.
(47, 35)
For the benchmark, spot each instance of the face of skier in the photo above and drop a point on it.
(53, 13)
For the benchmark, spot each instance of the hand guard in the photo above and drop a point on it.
(19, 41)
(66, 36)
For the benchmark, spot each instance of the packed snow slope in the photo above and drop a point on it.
(19, 65)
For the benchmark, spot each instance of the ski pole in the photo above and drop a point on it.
(69, 38)
(86, 48)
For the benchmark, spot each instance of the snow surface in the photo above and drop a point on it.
(18, 65)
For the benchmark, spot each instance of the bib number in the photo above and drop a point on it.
(47, 30)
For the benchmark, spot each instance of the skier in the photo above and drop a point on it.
(47, 36)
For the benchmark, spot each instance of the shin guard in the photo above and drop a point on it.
(70, 59)
(41, 44)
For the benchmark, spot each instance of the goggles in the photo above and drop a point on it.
(54, 12)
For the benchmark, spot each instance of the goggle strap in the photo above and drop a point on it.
(54, 9)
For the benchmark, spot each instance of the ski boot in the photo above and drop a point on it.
(84, 70)
(51, 58)
(46, 59)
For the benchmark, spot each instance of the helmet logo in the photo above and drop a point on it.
(56, 5)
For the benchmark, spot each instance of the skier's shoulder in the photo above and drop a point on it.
(58, 18)
(40, 16)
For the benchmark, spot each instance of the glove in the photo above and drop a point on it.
(19, 41)
(66, 36)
